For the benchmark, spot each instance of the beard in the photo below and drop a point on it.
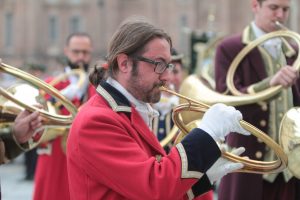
(153, 95)
(78, 65)
(147, 94)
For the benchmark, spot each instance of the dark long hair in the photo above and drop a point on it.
(130, 38)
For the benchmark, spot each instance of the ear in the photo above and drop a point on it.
(66, 50)
(124, 63)
(254, 5)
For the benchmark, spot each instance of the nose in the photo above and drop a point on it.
(280, 13)
(166, 76)
(81, 56)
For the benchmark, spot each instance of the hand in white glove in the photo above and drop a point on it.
(223, 166)
(74, 90)
(220, 120)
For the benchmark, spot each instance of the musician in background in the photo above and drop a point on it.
(265, 66)
(14, 139)
(163, 124)
(51, 179)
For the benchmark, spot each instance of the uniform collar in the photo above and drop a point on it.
(117, 101)
(145, 109)
(251, 32)
(129, 96)
(120, 103)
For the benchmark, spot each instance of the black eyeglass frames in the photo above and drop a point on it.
(160, 66)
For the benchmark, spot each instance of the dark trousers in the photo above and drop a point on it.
(30, 164)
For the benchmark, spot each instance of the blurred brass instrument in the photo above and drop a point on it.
(170, 136)
(194, 87)
(272, 91)
(250, 166)
(53, 133)
(75, 72)
(80, 73)
(11, 105)
(289, 139)
(205, 60)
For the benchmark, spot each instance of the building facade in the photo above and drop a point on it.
(34, 31)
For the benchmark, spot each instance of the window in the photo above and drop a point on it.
(53, 29)
(8, 30)
(52, 1)
(75, 1)
(75, 24)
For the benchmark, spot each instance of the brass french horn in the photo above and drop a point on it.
(49, 118)
(289, 137)
(202, 95)
(272, 91)
(82, 79)
(250, 166)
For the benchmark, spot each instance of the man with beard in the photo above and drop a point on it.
(51, 181)
(111, 151)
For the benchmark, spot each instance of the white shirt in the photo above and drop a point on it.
(273, 46)
(144, 109)
(74, 90)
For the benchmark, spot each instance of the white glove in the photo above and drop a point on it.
(220, 120)
(223, 166)
(73, 90)
(166, 104)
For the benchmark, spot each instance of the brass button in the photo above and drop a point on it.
(278, 66)
(258, 154)
(264, 107)
(161, 130)
(259, 140)
(263, 123)
(158, 158)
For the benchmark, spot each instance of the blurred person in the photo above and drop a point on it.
(163, 124)
(265, 66)
(111, 151)
(14, 139)
(51, 179)
(178, 70)
(36, 70)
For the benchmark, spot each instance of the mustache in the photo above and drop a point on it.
(78, 64)
(159, 84)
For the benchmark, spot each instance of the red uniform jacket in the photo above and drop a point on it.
(245, 186)
(51, 179)
(112, 154)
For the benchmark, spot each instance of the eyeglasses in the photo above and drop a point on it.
(160, 66)
(77, 51)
